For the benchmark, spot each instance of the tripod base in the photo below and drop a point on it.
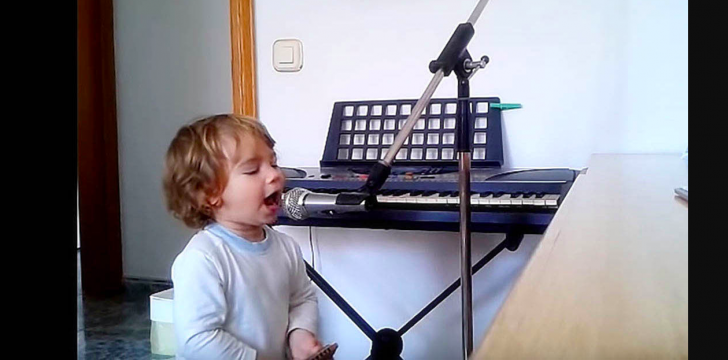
(387, 345)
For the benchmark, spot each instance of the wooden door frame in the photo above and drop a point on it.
(97, 152)
(242, 36)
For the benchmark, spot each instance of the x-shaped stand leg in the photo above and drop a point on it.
(387, 343)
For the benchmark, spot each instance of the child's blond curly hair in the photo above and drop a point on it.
(195, 168)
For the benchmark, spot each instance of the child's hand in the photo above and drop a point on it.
(303, 344)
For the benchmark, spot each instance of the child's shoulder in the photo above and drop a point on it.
(203, 242)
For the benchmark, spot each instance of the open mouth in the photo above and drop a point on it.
(273, 199)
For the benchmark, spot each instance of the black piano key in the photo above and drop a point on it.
(485, 194)
(416, 192)
(516, 194)
(445, 193)
(429, 193)
(540, 195)
(399, 192)
(387, 192)
(498, 194)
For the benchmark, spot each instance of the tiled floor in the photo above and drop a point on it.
(116, 327)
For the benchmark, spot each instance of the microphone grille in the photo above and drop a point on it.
(293, 203)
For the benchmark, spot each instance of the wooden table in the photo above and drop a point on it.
(609, 279)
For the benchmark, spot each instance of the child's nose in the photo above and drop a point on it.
(276, 175)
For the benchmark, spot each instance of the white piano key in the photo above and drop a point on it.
(431, 199)
(505, 199)
(409, 199)
(551, 199)
(486, 200)
(518, 200)
(440, 199)
(528, 201)
(475, 199)
(403, 199)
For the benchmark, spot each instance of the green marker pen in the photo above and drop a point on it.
(504, 106)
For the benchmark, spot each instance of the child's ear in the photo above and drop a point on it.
(210, 203)
(214, 201)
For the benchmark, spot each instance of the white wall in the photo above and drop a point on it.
(172, 65)
(593, 76)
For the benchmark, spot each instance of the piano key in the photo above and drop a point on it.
(495, 199)
(552, 199)
(389, 196)
(504, 199)
(486, 198)
(475, 199)
(539, 201)
(429, 199)
(439, 199)
(479, 199)
(517, 199)
(411, 199)
(403, 198)
(528, 199)
(398, 197)
(454, 198)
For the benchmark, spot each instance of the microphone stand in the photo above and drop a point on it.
(387, 343)
(454, 57)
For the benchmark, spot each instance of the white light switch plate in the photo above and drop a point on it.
(287, 55)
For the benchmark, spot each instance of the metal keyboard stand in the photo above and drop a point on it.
(387, 343)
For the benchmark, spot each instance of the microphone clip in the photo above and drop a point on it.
(356, 199)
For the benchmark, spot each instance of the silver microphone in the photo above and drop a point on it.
(299, 203)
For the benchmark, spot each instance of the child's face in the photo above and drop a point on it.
(253, 192)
